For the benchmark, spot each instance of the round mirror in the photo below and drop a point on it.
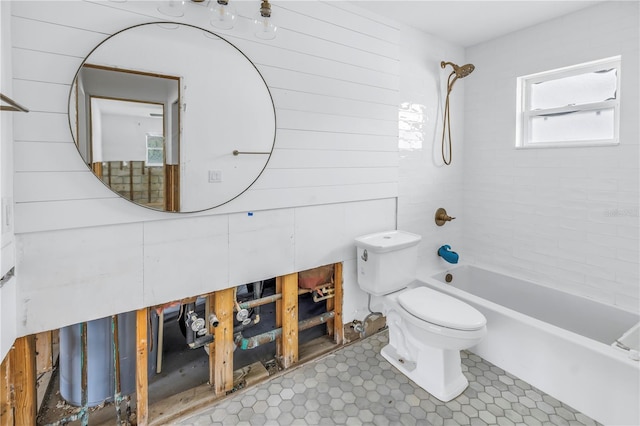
(172, 117)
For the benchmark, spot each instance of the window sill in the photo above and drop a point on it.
(569, 145)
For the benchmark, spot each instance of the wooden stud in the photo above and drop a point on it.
(223, 342)
(97, 169)
(142, 382)
(131, 192)
(338, 327)
(172, 187)
(210, 303)
(289, 311)
(330, 303)
(6, 392)
(44, 352)
(23, 372)
(47, 350)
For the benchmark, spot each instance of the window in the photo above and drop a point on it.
(155, 151)
(573, 106)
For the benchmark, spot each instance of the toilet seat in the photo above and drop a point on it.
(441, 309)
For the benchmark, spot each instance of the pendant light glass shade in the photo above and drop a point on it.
(265, 28)
(223, 15)
(174, 8)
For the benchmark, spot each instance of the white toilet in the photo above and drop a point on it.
(427, 328)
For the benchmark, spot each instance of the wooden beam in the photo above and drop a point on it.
(23, 371)
(142, 382)
(210, 303)
(289, 312)
(338, 327)
(6, 391)
(44, 352)
(47, 350)
(223, 342)
(330, 303)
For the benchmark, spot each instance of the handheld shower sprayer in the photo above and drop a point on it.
(458, 72)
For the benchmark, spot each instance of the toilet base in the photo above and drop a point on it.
(437, 371)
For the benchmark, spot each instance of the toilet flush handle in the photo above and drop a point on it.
(365, 255)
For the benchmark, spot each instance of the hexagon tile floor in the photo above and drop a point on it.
(356, 386)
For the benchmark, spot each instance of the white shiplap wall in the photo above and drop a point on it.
(7, 239)
(84, 253)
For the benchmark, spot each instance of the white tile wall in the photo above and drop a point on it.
(567, 218)
(425, 182)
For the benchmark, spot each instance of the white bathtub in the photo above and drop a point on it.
(564, 345)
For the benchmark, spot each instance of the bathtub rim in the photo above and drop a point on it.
(429, 278)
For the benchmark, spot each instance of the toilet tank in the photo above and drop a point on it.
(387, 261)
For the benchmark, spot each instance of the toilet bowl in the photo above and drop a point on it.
(427, 329)
(425, 344)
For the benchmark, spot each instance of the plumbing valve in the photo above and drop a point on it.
(242, 315)
(442, 217)
(196, 323)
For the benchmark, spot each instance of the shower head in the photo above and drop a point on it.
(459, 71)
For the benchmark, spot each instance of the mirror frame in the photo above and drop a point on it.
(73, 101)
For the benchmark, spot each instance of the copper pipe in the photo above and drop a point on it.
(270, 336)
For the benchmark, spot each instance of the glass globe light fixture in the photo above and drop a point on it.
(223, 15)
(174, 8)
(265, 29)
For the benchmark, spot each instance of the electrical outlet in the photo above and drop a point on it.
(215, 176)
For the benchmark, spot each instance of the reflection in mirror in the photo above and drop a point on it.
(125, 146)
(161, 129)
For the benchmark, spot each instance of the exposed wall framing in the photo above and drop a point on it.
(19, 397)
(35, 354)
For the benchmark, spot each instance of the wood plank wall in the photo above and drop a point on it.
(333, 72)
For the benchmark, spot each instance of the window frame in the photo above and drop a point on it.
(525, 114)
(148, 149)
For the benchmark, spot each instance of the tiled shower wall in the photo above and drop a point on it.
(564, 217)
(425, 183)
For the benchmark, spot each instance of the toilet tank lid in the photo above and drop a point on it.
(387, 241)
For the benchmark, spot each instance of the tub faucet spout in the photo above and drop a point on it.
(448, 255)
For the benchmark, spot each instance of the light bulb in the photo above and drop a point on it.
(265, 29)
(223, 16)
(173, 8)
